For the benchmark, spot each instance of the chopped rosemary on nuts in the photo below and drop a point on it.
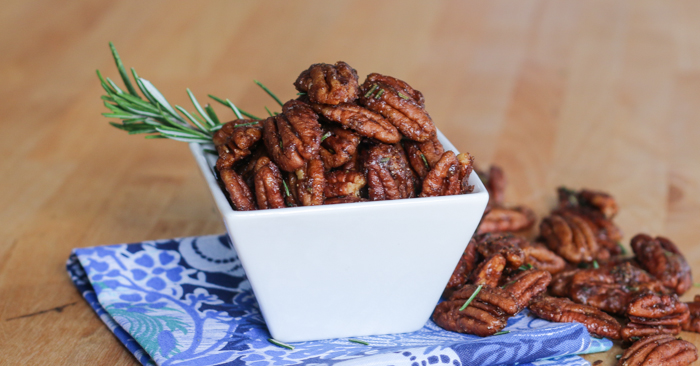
(469, 301)
(425, 161)
(374, 87)
(326, 135)
(381, 91)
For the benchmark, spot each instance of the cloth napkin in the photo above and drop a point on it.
(187, 302)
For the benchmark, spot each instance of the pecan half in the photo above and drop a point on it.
(662, 259)
(268, 184)
(485, 315)
(506, 245)
(597, 200)
(538, 256)
(569, 236)
(344, 199)
(448, 176)
(561, 282)
(527, 285)
(503, 219)
(309, 183)
(344, 183)
(398, 103)
(293, 136)
(238, 190)
(659, 350)
(361, 120)
(388, 175)
(562, 310)
(489, 271)
(234, 140)
(693, 322)
(423, 155)
(329, 84)
(464, 268)
(652, 309)
(338, 147)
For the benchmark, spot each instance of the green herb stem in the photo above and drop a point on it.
(269, 92)
(471, 298)
(280, 344)
(358, 341)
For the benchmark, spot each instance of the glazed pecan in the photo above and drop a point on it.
(464, 268)
(308, 183)
(338, 146)
(329, 84)
(569, 236)
(238, 190)
(564, 310)
(361, 120)
(597, 209)
(527, 285)
(423, 155)
(502, 219)
(561, 282)
(399, 103)
(293, 136)
(507, 246)
(268, 184)
(234, 140)
(633, 331)
(388, 175)
(650, 308)
(489, 271)
(662, 259)
(538, 256)
(485, 315)
(597, 200)
(693, 322)
(448, 177)
(659, 350)
(341, 183)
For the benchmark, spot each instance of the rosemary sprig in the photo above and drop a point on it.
(374, 87)
(269, 92)
(525, 267)
(469, 301)
(502, 332)
(358, 341)
(151, 114)
(280, 344)
(381, 91)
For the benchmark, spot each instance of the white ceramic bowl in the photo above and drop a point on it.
(351, 269)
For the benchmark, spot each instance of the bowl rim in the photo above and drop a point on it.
(225, 208)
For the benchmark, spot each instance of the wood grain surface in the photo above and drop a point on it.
(598, 94)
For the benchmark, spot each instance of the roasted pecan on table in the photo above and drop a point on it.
(693, 323)
(563, 310)
(611, 287)
(506, 219)
(308, 183)
(359, 119)
(538, 256)
(650, 314)
(329, 84)
(485, 315)
(595, 200)
(659, 350)
(388, 175)
(234, 140)
(465, 266)
(570, 236)
(293, 136)
(489, 271)
(398, 103)
(423, 155)
(338, 146)
(526, 285)
(660, 257)
(506, 245)
(449, 176)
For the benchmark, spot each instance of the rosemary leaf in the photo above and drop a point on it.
(595, 265)
(114, 86)
(403, 96)
(502, 332)
(210, 111)
(155, 137)
(326, 135)
(268, 112)
(158, 97)
(189, 116)
(248, 124)
(374, 87)
(623, 251)
(358, 341)
(237, 111)
(139, 83)
(210, 151)
(280, 344)
(269, 92)
(118, 115)
(381, 91)
(301, 93)
(469, 301)
(182, 132)
(425, 161)
(106, 87)
(199, 108)
(286, 188)
(122, 71)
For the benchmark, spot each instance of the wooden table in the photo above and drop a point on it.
(598, 94)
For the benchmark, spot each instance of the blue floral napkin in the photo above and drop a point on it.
(187, 302)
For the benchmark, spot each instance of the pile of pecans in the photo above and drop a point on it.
(574, 270)
(339, 142)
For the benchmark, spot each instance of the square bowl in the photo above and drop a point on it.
(351, 269)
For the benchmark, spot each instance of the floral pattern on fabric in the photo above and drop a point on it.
(187, 302)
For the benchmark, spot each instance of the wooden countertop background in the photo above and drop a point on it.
(597, 94)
